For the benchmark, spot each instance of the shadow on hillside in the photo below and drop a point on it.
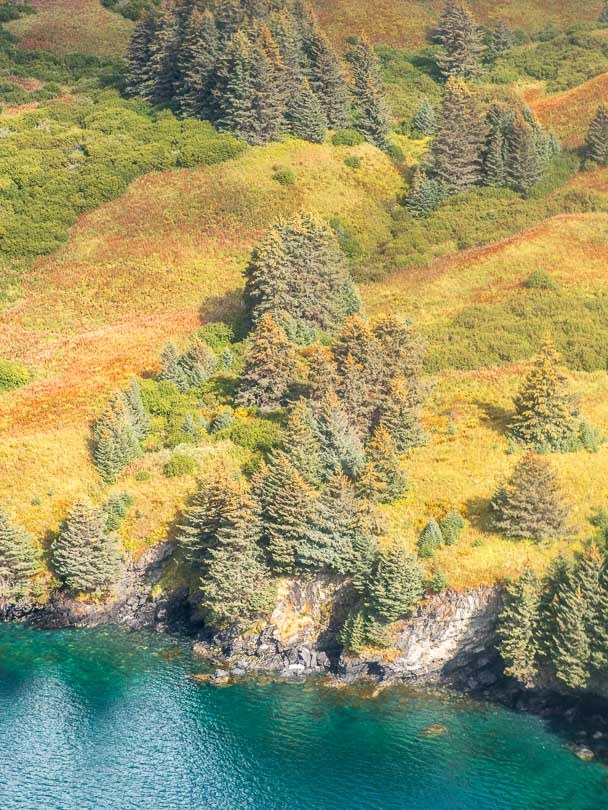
(228, 308)
(478, 514)
(497, 418)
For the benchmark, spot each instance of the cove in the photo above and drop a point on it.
(107, 719)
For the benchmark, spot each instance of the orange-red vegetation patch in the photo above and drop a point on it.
(569, 113)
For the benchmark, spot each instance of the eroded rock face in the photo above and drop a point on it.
(449, 637)
(299, 639)
(131, 603)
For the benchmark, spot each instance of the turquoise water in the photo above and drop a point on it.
(110, 720)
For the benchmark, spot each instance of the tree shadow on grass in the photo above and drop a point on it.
(228, 308)
(498, 418)
(478, 514)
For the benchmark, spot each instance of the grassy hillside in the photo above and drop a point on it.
(405, 23)
(73, 26)
(136, 273)
(568, 113)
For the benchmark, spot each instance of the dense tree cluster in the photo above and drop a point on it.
(86, 556)
(559, 623)
(118, 432)
(505, 147)
(256, 69)
(298, 275)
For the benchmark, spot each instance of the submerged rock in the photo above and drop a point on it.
(434, 730)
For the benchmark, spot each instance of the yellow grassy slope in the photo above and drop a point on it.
(468, 454)
(136, 273)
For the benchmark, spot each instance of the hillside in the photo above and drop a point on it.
(167, 254)
(73, 26)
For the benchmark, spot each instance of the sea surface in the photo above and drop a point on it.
(107, 719)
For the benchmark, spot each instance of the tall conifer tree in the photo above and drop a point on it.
(372, 115)
(269, 366)
(597, 136)
(461, 42)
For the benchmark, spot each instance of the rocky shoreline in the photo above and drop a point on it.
(449, 641)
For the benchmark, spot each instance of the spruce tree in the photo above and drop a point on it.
(197, 365)
(424, 121)
(85, 556)
(590, 579)
(236, 586)
(116, 436)
(502, 40)
(430, 539)
(208, 510)
(289, 42)
(164, 76)
(322, 372)
(298, 274)
(234, 92)
(305, 115)
(523, 166)
(326, 77)
(518, 628)
(424, 195)
(139, 55)
(356, 340)
(395, 585)
(494, 168)
(553, 583)
(139, 417)
(603, 18)
(530, 504)
(302, 444)
(546, 417)
(20, 557)
(199, 65)
(597, 136)
(572, 658)
(451, 526)
(352, 634)
(461, 42)
(269, 366)
(382, 454)
(400, 414)
(456, 151)
(372, 116)
(170, 367)
(288, 506)
(346, 526)
(341, 449)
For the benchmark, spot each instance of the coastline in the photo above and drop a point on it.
(448, 642)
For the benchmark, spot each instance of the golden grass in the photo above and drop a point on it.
(133, 275)
(570, 112)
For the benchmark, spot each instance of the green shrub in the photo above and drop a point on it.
(348, 241)
(510, 331)
(590, 438)
(437, 581)
(541, 280)
(221, 420)
(395, 153)
(353, 162)
(216, 335)
(179, 465)
(258, 435)
(451, 526)
(285, 177)
(115, 509)
(12, 375)
(347, 137)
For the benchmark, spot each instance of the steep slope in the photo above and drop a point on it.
(569, 113)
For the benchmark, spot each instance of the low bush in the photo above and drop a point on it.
(347, 137)
(179, 465)
(13, 375)
(285, 177)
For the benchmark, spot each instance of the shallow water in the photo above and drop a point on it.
(111, 720)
